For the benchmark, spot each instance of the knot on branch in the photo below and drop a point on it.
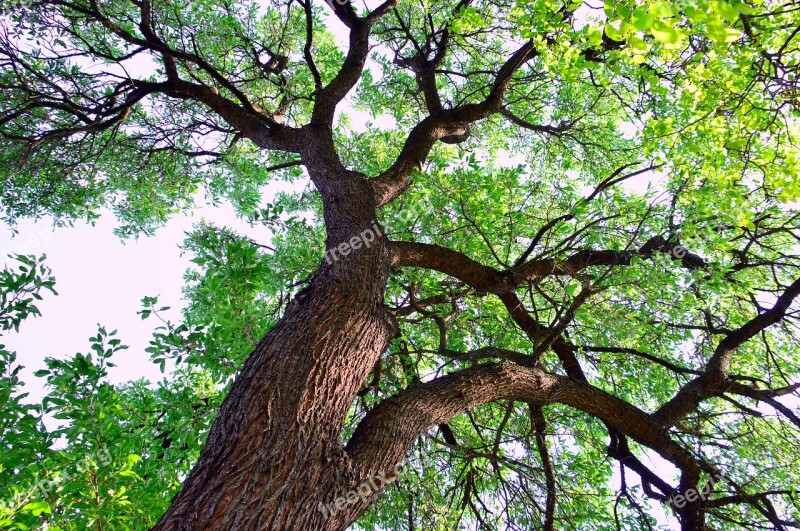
(461, 134)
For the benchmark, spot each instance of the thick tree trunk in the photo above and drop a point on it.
(274, 457)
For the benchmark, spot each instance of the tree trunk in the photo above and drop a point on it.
(274, 458)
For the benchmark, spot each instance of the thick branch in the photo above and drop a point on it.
(329, 97)
(254, 124)
(453, 263)
(383, 437)
(490, 280)
(264, 133)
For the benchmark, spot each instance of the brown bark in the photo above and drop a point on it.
(273, 457)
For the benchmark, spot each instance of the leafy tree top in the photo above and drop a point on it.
(523, 123)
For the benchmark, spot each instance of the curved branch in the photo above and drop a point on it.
(385, 434)
(332, 94)
(450, 262)
(649, 357)
(448, 124)
(606, 183)
(490, 280)
(424, 67)
(309, 16)
(453, 125)
(79, 104)
(715, 377)
(556, 130)
(262, 132)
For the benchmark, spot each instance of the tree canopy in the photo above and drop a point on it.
(594, 307)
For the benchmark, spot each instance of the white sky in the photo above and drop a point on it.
(101, 279)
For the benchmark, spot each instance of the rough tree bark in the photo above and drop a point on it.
(274, 458)
(274, 455)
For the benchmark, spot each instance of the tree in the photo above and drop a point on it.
(546, 346)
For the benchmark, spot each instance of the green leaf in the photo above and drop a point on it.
(595, 36)
(637, 43)
(665, 33)
(613, 33)
(37, 507)
(642, 20)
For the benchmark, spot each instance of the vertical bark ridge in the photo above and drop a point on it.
(274, 453)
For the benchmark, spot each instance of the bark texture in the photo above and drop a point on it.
(274, 455)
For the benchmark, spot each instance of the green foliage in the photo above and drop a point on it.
(116, 453)
(703, 93)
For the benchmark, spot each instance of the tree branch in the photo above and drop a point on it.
(715, 376)
(540, 426)
(382, 438)
(487, 279)
(331, 95)
(450, 123)
(255, 125)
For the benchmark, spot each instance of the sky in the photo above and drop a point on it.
(101, 279)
